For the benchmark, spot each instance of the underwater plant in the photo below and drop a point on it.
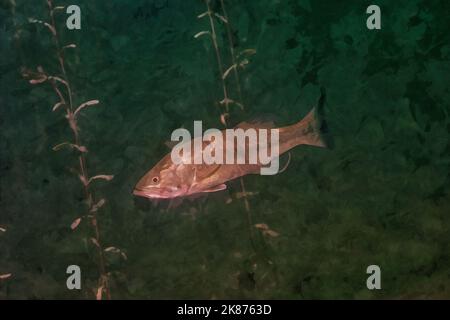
(4, 276)
(224, 75)
(63, 89)
(238, 60)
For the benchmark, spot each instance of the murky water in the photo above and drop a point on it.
(379, 197)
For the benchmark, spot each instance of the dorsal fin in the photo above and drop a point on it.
(258, 123)
(203, 171)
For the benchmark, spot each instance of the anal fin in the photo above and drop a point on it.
(219, 187)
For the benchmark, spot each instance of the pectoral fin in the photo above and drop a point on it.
(219, 187)
(204, 171)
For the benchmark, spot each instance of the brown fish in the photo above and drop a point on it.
(168, 180)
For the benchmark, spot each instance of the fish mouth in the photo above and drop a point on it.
(149, 194)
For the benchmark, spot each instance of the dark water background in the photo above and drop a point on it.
(381, 196)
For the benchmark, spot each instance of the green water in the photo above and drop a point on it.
(380, 196)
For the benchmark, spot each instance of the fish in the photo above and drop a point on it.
(169, 180)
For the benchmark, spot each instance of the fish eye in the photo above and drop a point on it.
(155, 179)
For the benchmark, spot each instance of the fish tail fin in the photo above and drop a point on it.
(313, 129)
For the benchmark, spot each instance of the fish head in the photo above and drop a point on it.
(163, 181)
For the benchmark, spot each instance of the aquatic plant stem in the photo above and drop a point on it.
(72, 121)
(225, 93)
(247, 208)
(238, 85)
(218, 56)
(233, 57)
